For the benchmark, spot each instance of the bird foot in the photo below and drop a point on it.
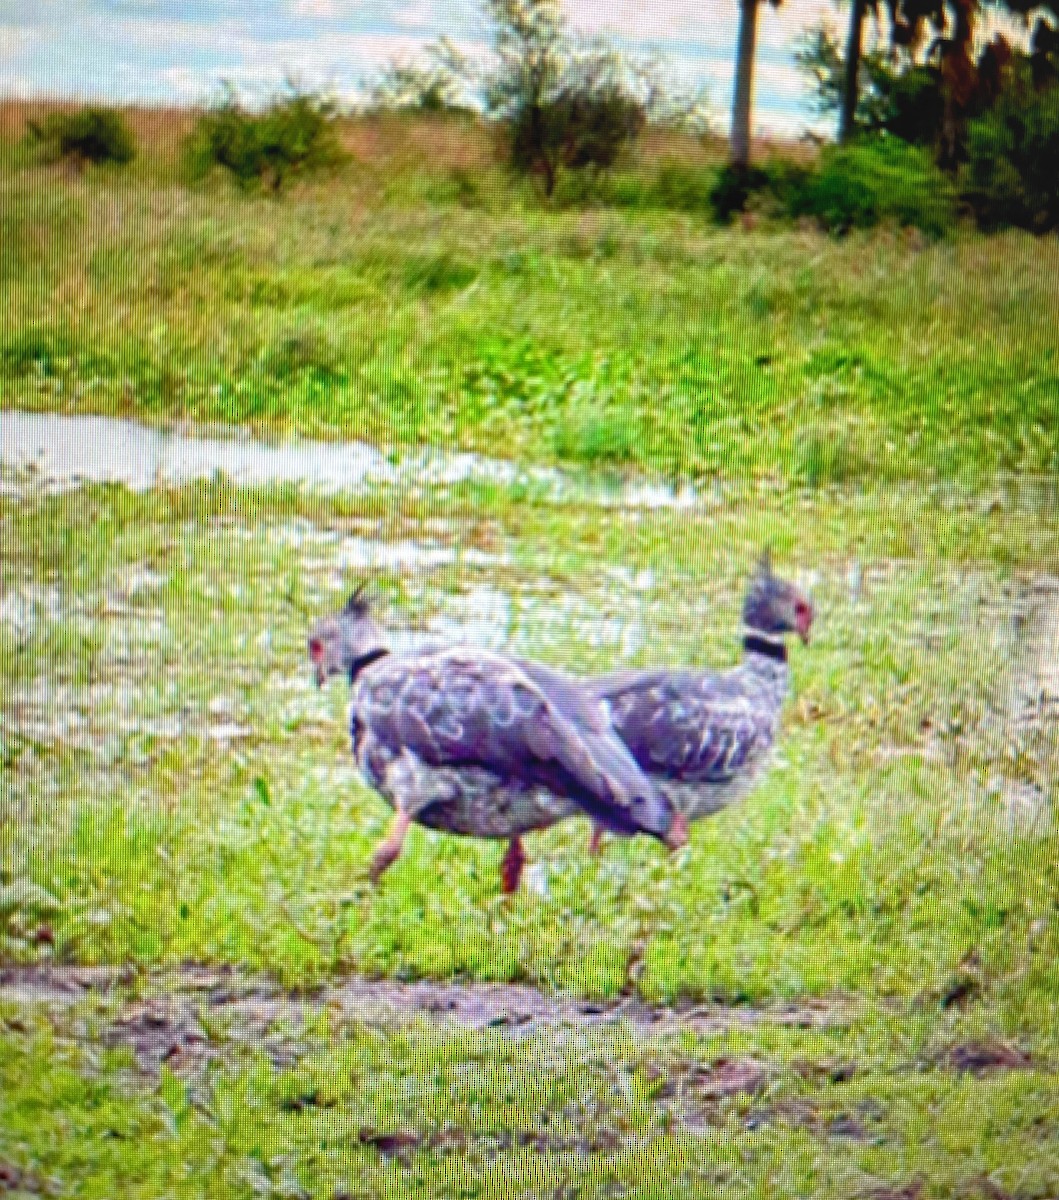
(511, 867)
(678, 832)
(382, 860)
(595, 844)
(389, 850)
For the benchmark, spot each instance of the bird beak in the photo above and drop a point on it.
(320, 677)
(678, 832)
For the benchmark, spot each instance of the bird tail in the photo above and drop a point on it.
(638, 807)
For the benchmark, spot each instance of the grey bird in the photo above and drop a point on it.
(471, 742)
(704, 738)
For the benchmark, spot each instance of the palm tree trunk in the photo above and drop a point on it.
(851, 78)
(742, 99)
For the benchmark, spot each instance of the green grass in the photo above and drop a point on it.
(480, 1115)
(443, 303)
(875, 870)
(874, 759)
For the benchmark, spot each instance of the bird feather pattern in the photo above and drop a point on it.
(470, 741)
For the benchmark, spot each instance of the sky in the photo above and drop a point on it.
(179, 51)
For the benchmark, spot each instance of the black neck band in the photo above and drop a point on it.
(753, 644)
(365, 660)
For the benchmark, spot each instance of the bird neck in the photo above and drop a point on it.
(365, 660)
(755, 642)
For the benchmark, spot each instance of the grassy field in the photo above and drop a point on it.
(176, 791)
(846, 988)
(420, 295)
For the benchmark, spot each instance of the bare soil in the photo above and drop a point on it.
(164, 1016)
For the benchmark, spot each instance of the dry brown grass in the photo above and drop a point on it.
(394, 140)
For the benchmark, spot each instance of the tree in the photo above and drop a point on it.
(563, 101)
(925, 78)
(1012, 172)
(742, 95)
(903, 98)
(444, 82)
(851, 74)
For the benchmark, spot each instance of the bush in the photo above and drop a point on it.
(1012, 173)
(733, 187)
(576, 128)
(867, 182)
(562, 101)
(293, 135)
(597, 438)
(90, 135)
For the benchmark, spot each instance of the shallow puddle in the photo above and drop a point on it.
(66, 451)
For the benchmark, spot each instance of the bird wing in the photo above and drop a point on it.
(464, 706)
(687, 726)
(587, 714)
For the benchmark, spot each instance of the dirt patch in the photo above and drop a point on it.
(860, 1123)
(909, 1191)
(400, 1144)
(13, 1179)
(982, 1058)
(698, 1095)
(181, 1015)
(719, 1080)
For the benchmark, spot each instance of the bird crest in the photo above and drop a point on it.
(359, 602)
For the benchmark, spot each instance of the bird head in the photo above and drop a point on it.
(774, 607)
(338, 643)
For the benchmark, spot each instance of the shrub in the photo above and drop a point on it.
(90, 135)
(577, 128)
(866, 182)
(597, 438)
(33, 350)
(563, 102)
(733, 187)
(1012, 173)
(293, 135)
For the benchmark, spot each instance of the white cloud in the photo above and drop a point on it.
(327, 9)
(779, 28)
(14, 38)
(664, 20)
(186, 84)
(20, 87)
(419, 14)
